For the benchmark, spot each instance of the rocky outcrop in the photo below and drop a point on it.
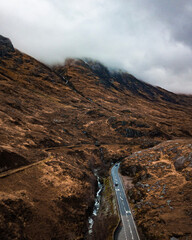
(183, 162)
(6, 47)
(162, 192)
(10, 160)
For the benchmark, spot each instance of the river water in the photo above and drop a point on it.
(96, 204)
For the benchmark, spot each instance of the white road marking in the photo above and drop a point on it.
(122, 202)
(129, 225)
(124, 230)
(131, 213)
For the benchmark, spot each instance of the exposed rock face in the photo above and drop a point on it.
(63, 123)
(6, 47)
(162, 192)
(183, 162)
(11, 160)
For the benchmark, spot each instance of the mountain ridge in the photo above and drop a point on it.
(82, 117)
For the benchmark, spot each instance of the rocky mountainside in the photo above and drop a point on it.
(161, 194)
(58, 124)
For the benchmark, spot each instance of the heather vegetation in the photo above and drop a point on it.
(58, 124)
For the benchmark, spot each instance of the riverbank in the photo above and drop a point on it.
(108, 219)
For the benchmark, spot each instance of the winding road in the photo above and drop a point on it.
(128, 230)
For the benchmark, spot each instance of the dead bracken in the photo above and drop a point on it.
(58, 124)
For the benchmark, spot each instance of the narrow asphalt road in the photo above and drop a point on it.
(129, 229)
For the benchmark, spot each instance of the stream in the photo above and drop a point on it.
(96, 204)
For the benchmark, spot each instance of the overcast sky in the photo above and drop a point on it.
(152, 39)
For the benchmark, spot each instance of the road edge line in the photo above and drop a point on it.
(119, 221)
(122, 183)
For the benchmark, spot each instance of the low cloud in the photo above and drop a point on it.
(150, 39)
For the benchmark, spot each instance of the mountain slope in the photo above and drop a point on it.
(162, 192)
(76, 118)
(128, 100)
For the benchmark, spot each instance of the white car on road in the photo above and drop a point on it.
(128, 212)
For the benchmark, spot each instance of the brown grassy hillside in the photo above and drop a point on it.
(162, 192)
(73, 118)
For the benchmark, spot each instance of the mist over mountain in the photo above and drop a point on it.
(151, 40)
